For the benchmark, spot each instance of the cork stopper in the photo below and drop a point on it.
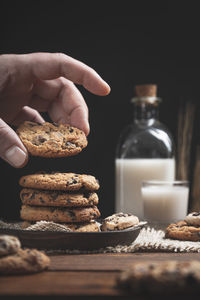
(146, 90)
(146, 93)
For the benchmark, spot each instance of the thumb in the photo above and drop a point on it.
(11, 148)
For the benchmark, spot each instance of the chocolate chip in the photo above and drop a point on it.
(71, 130)
(71, 214)
(42, 200)
(38, 140)
(76, 226)
(24, 195)
(196, 214)
(72, 181)
(41, 139)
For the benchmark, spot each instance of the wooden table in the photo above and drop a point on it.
(82, 275)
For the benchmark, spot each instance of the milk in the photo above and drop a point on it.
(129, 176)
(165, 204)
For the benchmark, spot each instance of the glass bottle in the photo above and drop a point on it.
(145, 151)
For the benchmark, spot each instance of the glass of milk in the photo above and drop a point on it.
(165, 201)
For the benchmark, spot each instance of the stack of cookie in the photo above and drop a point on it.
(62, 198)
(59, 197)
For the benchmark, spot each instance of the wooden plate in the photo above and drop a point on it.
(74, 240)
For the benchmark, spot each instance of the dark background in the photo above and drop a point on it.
(126, 43)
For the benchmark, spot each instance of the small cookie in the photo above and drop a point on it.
(91, 226)
(160, 276)
(193, 219)
(60, 181)
(51, 140)
(24, 262)
(182, 231)
(9, 245)
(119, 221)
(62, 215)
(57, 198)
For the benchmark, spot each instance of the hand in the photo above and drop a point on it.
(42, 82)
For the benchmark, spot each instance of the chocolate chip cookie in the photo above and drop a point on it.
(193, 219)
(182, 231)
(24, 262)
(9, 245)
(91, 226)
(62, 215)
(119, 221)
(60, 181)
(57, 198)
(161, 276)
(51, 140)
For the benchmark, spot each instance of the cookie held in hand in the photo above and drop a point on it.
(51, 139)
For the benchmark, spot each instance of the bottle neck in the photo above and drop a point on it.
(145, 112)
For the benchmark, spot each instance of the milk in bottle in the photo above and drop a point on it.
(145, 151)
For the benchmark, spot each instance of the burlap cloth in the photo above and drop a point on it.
(150, 239)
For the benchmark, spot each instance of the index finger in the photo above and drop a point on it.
(47, 66)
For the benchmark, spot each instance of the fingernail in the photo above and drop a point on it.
(108, 88)
(15, 156)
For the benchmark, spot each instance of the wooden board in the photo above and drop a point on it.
(83, 275)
